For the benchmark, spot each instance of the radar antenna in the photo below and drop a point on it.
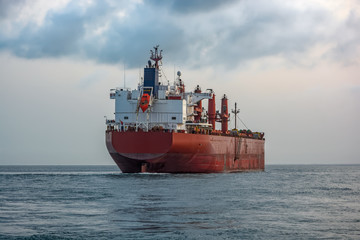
(156, 56)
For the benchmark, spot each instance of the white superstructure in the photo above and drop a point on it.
(154, 106)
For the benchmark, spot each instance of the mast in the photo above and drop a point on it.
(236, 111)
(155, 56)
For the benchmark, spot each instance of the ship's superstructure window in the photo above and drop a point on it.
(173, 118)
(126, 117)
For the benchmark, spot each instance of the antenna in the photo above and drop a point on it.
(124, 76)
(139, 75)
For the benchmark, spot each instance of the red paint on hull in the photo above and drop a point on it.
(166, 152)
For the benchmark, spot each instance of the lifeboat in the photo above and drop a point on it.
(144, 102)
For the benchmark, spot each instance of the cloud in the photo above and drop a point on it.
(347, 40)
(7, 8)
(226, 33)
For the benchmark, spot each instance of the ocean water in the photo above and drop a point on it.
(99, 202)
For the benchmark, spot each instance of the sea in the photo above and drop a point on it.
(100, 202)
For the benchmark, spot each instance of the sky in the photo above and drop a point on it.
(293, 67)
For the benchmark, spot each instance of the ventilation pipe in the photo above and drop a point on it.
(224, 114)
(198, 108)
(212, 110)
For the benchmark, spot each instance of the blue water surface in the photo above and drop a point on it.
(100, 202)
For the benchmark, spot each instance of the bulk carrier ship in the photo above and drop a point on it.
(161, 128)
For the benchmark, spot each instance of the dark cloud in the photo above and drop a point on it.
(269, 31)
(186, 7)
(131, 39)
(61, 34)
(211, 35)
(59, 37)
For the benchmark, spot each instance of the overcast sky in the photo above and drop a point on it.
(293, 67)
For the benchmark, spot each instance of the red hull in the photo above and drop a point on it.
(165, 152)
